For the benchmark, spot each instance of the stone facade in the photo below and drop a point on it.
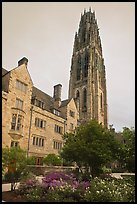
(31, 118)
(87, 83)
(36, 121)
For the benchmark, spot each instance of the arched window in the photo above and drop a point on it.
(101, 101)
(77, 95)
(83, 36)
(85, 100)
(86, 62)
(78, 67)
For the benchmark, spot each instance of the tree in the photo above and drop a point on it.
(128, 147)
(91, 146)
(15, 161)
(52, 159)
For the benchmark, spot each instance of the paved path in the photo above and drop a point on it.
(119, 175)
(7, 187)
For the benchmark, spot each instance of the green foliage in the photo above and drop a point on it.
(98, 190)
(129, 148)
(52, 160)
(126, 153)
(13, 154)
(34, 195)
(91, 146)
(20, 169)
(110, 190)
(30, 160)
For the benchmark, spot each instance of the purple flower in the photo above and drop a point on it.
(60, 179)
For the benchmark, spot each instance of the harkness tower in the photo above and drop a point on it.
(87, 83)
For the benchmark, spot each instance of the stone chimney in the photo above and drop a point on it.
(57, 95)
(24, 60)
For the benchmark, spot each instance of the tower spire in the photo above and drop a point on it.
(87, 71)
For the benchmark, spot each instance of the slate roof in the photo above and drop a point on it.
(40, 95)
(5, 80)
(65, 102)
(4, 71)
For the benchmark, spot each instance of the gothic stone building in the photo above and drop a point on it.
(36, 121)
(32, 119)
(87, 76)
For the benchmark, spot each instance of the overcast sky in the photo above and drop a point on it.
(44, 33)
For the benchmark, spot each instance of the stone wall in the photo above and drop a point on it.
(39, 170)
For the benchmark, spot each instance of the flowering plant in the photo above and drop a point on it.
(62, 181)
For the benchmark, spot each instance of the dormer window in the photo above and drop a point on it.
(38, 103)
(56, 112)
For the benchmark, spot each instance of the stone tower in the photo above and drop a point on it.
(87, 83)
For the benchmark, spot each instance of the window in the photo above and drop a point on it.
(42, 143)
(71, 126)
(77, 95)
(19, 122)
(72, 113)
(16, 123)
(58, 129)
(14, 144)
(84, 34)
(33, 140)
(13, 123)
(100, 80)
(85, 100)
(57, 145)
(101, 101)
(21, 86)
(86, 61)
(38, 141)
(40, 123)
(56, 112)
(78, 67)
(39, 103)
(19, 103)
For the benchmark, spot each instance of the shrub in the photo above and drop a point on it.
(61, 179)
(31, 160)
(65, 187)
(52, 160)
(27, 186)
(35, 195)
(56, 186)
(110, 190)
